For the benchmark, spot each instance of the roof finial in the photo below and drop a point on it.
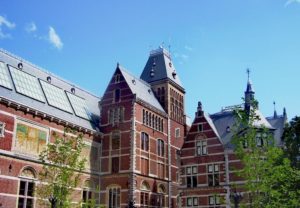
(248, 72)
(275, 113)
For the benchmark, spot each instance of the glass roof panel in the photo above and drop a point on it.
(27, 84)
(4, 76)
(79, 106)
(56, 97)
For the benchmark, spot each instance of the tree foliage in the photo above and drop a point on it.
(291, 138)
(61, 171)
(270, 180)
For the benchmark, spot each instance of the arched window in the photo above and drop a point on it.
(161, 196)
(160, 148)
(145, 189)
(115, 140)
(114, 199)
(26, 188)
(144, 141)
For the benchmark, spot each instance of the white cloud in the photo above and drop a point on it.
(31, 27)
(54, 38)
(188, 48)
(288, 2)
(5, 23)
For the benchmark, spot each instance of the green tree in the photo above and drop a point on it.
(270, 181)
(291, 138)
(61, 171)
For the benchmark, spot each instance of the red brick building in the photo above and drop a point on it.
(139, 147)
(208, 162)
(143, 125)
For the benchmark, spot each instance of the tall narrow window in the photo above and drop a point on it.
(117, 78)
(191, 176)
(144, 116)
(177, 133)
(117, 95)
(88, 194)
(114, 199)
(144, 141)
(160, 148)
(145, 166)
(201, 147)
(150, 119)
(200, 127)
(145, 189)
(2, 129)
(115, 164)
(213, 175)
(115, 140)
(26, 189)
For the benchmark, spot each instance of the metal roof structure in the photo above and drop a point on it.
(160, 67)
(27, 90)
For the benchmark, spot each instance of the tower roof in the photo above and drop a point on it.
(249, 87)
(160, 67)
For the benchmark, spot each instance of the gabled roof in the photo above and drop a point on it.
(141, 89)
(160, 67)
(91, 101)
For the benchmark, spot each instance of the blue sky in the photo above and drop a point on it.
(213, 42)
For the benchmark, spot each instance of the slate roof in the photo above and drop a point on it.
(160, 62)
(225, 120)
(141, 89)
(91, 100)
(278, 123)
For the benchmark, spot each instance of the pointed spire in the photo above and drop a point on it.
(275, 112)
(284, 114)
(249, 93)
(249, 83)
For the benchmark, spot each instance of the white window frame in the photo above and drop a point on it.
(177, 133)
(213, 169)
(214, 200)
(2, 129)
(201, 147)
(194, 202)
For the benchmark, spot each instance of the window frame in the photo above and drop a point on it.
(177, 133)
(201, 147)
(2, 129)
(160, 147)
(114, 197)
(200, 127)
(191, 176)
(144, 141)
(213, 175)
